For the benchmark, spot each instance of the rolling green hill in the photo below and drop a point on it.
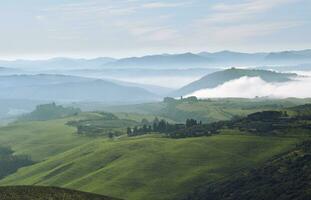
(46, 193)
(41, 139)
(148, 167)
(300, 110)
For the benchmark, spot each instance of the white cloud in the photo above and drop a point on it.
(162, 5)
(40, 17)
(149, 30)
(250, 87)
(245, 31)
(163, 34)
(224, 12)
(154, 26)
(237, 23)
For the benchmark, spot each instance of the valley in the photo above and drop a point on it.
(155, 100)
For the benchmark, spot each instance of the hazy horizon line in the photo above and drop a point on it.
(91, 57)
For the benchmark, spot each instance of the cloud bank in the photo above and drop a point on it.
(250, 87)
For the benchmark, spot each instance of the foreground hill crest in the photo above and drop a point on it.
(46, 193)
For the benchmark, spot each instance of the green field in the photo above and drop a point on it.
(149, 167)
(41, 139)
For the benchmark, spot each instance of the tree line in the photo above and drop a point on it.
(191, 128)
(259, 123)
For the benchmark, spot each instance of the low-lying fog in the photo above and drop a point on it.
(168, 78)
(251, 87)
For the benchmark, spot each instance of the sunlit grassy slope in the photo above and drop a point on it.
(149, 167)
(138, 168)
(41, 139)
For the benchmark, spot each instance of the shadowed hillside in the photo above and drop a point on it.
(46, 193)
(285, 177)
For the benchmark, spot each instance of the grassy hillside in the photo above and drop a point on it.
(285, 177)
(45, 193)
(150, 167)
(146, 167)
(41, 139)
(300, 110)
(208, 110)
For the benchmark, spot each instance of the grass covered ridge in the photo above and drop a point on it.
(145, 167)
(150, 167)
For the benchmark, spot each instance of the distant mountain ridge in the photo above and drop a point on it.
(289, 56)
(215, 79)
(164, 60)
(231, 56)
(220, 59)
(183, 60)
(7, 70)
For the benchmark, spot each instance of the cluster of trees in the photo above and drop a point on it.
(191, 99)
(49, 111)
(10, 163)
(107, 124)
(270, 123)
(94, 128)
(264, 123)
(147, 127)
(191, 128)
(267, 115)
(260, 123)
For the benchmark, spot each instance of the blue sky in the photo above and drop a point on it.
(121, 28)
